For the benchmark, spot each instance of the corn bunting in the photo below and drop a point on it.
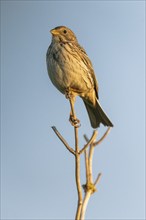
(71, 72)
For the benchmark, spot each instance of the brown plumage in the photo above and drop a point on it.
(69, 67)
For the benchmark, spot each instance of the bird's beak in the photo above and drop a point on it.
(54, 32)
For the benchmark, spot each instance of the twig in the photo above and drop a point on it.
(63, 140)
(85, 202)
(79, 188)
(87, 166)
(90, 186)
(86, 138)
(93, 137)
(90, 158)
(103, 137)
(89, 190)
(77, 164)
(97, 179)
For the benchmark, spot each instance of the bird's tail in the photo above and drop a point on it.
(97, 115)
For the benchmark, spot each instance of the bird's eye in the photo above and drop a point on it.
(65, 31)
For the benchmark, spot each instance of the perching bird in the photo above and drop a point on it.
(70, 69)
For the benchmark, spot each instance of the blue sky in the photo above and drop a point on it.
(37, 172)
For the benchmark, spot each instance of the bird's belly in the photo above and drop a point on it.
(69, 75)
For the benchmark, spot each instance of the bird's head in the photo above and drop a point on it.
(63, 34)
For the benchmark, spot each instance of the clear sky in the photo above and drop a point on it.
(37, 172)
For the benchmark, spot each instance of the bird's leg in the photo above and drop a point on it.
(68, 93)
(73, 120)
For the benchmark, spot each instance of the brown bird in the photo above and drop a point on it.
(71, 72)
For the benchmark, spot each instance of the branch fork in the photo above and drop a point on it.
(90, 186)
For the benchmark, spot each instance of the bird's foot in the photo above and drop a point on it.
(74, 121)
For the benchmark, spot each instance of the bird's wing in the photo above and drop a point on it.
(85, 59)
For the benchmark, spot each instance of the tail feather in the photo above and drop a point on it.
(97, 115)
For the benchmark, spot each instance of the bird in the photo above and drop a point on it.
(71, 72)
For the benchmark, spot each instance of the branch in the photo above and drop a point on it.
(86, 138)
(90, 186)
(97, 179)
(89, 142)
(77, 163)
(103, 137)
(85, 202)
(79, 188)
(63, 140)
(87, 166)
(90, 158)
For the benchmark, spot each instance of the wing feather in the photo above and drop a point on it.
(85, 59)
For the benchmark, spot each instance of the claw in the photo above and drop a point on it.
(74, 121)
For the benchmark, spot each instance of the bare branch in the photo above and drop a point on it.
(77, 163)
(86, 138)
(85, 202)
(103, 137)
(90, 186)
(93, 137)
(78, 184)
(63, 140)
(90, 158)
(97, 179)
(87, 166)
